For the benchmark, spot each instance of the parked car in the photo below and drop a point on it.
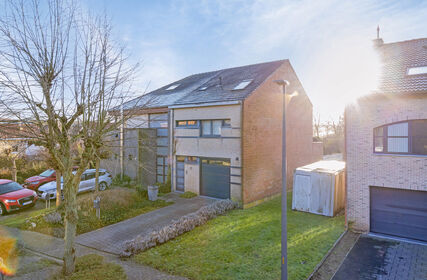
(14, 197)
(87, 183)
(33, 183)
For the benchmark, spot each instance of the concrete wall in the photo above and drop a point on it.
(262, 135)
(187, 141)
(364, 168)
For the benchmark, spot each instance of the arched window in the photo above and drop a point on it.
(407, 137)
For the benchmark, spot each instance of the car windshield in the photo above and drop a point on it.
(47, 173)
(10, 187)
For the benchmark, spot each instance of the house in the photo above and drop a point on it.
(220, 132)
(386, 146)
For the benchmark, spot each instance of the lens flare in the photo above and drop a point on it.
(8, 254)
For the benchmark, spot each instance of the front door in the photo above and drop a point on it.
(215, 178)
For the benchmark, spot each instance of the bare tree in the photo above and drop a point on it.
(317, 126)
(61, 73)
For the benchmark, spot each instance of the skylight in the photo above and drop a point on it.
(172, 87)
(203, 88)
(242, 84)
(417, 70)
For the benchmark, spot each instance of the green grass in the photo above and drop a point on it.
(245, 244)
(188, 195)
(117, 204)
(93, 267)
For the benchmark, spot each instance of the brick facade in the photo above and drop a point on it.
(262, 135)
(364, 168)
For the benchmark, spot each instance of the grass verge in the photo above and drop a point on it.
(245, 244)
(188, 195)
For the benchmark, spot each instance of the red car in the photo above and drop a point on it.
(33, 183)
(14, 197)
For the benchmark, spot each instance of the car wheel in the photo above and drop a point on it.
(2, 210)
(102, 186)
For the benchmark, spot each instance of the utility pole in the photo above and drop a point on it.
(284, 261)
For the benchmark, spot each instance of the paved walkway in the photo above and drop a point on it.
(384, 259)
(109, 239)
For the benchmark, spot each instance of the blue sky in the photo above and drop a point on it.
(328, 42)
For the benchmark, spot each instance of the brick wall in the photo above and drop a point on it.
(364, 168)
(262, 135)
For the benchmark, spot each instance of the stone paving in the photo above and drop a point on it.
(384, 259)
(110, 238)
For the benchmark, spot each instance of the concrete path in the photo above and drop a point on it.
(109, 239)
(374, 258)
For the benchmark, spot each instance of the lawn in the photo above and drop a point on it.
(117, 204)
(245, 244)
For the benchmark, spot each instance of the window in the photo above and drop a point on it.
(187, 124)
(212, 128)
(203, 88)
(242, 85)
(171, 87)
(417, 70)
(402, 138)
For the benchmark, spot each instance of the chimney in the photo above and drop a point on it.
(378, 42)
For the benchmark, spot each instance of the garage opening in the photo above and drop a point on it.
(398, 212)
(215, 178)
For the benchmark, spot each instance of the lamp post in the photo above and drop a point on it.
(284, 261)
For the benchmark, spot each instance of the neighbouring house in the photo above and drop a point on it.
(220, 132)
(386, 146)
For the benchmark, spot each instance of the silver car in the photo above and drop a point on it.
(87, 183)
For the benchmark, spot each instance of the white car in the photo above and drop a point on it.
(87, 183)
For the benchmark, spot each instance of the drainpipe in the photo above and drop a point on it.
(172, 148)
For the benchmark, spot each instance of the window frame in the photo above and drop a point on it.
(385, 138)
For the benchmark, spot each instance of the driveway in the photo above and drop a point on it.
(384, 259)
(110, 238)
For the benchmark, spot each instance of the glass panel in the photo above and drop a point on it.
(379, 131)
(159, 178)
(162, 141)
(162, 132)
(180, 158)
(181, 123)
(398, 129)
(206, 127)
(160, 169)
(162, 151)
(159, 117)
(216, 127)
(419, 137)
(157, 124)
(397, 145)
(192, 123)
(379, 144)
(160, 160)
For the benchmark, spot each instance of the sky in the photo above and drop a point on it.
(328, 42)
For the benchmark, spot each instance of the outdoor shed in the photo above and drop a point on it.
(319, 188)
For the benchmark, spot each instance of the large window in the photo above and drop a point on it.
(212, 128)
(408, 137)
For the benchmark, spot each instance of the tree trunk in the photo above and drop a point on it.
(58, 187)
(14, 172)
(71, 218)
(97, 175)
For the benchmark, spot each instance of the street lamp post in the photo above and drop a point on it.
(284, 261)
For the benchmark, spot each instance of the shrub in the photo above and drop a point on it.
(142, 191)
(177, 227)
(188, 195)
(93, 267)
(125, 182)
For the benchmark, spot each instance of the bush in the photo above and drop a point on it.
(93, 267)
(188, 195)
(142, 191)
(176, 228)
(125, 182)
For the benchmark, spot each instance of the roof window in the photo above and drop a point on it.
(171, 87)
(203, 88)
(417, 70)
(242, 84)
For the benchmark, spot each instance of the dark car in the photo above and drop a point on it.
(14, 197)
(33, 183)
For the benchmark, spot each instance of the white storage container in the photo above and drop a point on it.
(319, 188)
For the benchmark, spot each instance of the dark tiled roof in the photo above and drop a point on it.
(219, 85)
(396, 58)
